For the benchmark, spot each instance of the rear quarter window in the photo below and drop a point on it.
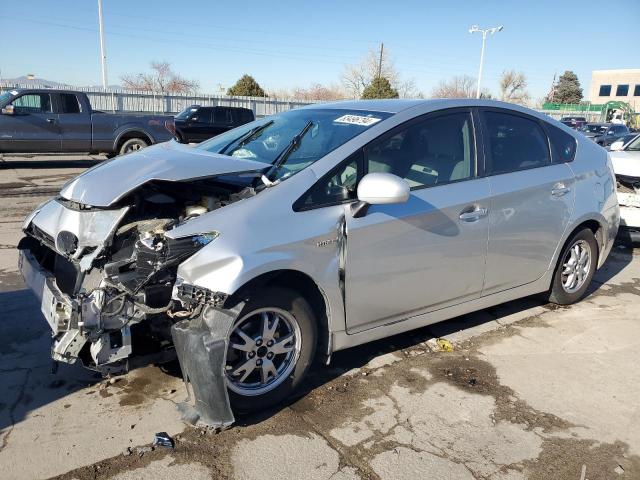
(563, 145)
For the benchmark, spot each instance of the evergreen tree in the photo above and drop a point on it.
(567, 90)
(246, 86)
(379, 88)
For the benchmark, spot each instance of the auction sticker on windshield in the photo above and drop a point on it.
(357, 120)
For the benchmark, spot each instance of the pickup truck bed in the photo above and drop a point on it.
(62, 121)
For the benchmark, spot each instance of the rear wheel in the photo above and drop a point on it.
(575, 269)
(132, 145)
(271, 348)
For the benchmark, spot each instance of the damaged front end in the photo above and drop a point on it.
(106, 279)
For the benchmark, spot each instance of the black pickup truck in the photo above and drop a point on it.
(62, 121)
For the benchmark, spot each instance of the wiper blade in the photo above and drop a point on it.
(241, 140)
(291, 147)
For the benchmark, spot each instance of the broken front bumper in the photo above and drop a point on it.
(629, 209)
(63, 314)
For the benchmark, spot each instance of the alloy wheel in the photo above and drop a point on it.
(576, 266)
(264, 347)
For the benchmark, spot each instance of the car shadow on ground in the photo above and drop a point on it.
(27, 382)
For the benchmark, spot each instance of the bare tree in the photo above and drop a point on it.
(318, 92)
(356, 78)
(456, 87)
(513, 87)
(162, 79)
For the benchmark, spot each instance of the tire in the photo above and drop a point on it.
(179, 138)
(132, 145)
(562, 291)
(290, 307)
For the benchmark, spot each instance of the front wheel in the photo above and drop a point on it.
(271, 348)
(132, 145)
(575, 269)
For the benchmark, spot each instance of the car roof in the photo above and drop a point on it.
(398, 105)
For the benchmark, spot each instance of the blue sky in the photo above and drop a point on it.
(284, 44)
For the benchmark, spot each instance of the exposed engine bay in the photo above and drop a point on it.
(108, 274)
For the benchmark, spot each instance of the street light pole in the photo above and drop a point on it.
(103, 53)
(492, 30)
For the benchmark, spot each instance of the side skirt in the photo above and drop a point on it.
(342, 340)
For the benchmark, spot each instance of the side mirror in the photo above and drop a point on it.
(616, 146)
(380, 189)
(9, 110)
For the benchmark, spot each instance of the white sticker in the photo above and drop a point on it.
(357, 120)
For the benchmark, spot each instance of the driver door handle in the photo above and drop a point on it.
(473, 215)
(560, 189)
(51, 120)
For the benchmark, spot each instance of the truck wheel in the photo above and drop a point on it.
(132, 145)
(179, 138)
(575, 269)
(271, 348)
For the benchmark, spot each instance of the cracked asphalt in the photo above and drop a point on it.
(530, 391)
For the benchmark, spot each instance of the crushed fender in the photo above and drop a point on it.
(201, 346)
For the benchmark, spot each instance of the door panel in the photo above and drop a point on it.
(33, 128)
(75, 124)
(530, 211)
(403, 260)
(531, 199)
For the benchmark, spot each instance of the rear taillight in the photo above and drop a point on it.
(169, 125)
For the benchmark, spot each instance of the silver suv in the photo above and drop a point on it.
(297, 235)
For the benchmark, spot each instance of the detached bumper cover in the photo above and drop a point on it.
(201, 345)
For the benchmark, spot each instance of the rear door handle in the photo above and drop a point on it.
(560, 189)
(473, 215)
(51, 120)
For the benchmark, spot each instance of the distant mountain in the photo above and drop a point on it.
(24, 80)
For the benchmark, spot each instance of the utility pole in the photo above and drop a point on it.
(380, 61)
(103, 53)
(475, 29)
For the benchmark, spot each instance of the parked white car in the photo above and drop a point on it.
(625, 156)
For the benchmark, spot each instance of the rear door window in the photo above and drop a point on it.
(69, 103)
(514, 143)
(222, 116)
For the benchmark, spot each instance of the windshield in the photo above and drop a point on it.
(594, 128)
(294, 139)
(183, 115)
(4, 98)
(634, 146)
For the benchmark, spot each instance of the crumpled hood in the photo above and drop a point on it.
(110, 181)
(626, 163)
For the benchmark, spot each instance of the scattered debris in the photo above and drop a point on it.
(445, 345)
(142, 450)
(619, 470)
(126, 452)
(471, 381)
(164, 440)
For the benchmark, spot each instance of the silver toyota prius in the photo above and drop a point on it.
(273, 245)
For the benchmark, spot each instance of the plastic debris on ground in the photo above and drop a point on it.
(163, 439)
(445, 345)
